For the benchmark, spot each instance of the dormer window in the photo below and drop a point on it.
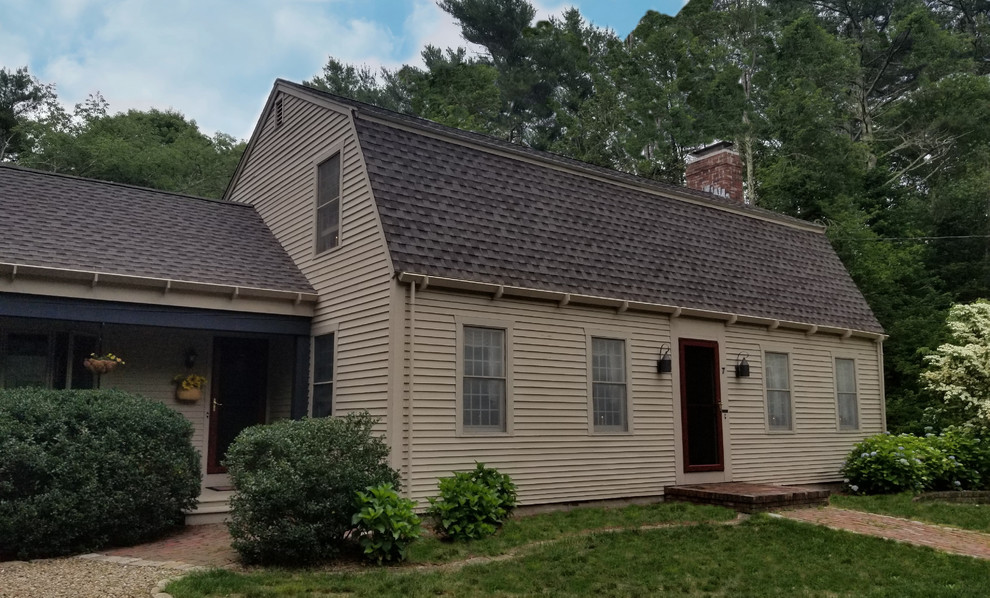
(328, 204)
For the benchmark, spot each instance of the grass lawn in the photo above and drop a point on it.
(966, 516)
(760, 557)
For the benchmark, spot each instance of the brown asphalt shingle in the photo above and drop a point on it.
(457, 211)
(66, 222)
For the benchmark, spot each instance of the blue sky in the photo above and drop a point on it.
(215, 60)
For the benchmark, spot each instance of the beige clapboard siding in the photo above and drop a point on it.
(815, 450)
(550, 454)
(353, 280)
(154, 356)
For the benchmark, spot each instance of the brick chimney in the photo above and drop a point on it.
(716, 169)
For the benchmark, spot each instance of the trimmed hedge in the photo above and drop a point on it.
(83, 469)
(296, 485)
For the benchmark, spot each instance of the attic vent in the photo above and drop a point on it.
(278, 112)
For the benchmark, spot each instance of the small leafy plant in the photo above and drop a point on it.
(473, 504)
(386, 523)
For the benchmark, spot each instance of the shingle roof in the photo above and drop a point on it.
(473, 211)
(66, 222)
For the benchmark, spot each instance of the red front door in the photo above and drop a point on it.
(701, 406)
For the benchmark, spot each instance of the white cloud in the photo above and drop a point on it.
(213, 60)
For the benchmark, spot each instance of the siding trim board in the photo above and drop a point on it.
(498, 290)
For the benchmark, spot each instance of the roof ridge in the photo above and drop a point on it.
(73, 177)
(522, 151)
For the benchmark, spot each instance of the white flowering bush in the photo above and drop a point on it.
(959, 371)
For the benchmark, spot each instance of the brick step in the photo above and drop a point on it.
(749, 498)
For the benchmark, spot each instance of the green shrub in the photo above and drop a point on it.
(472, 504)
(296, 482)
(83, 469)
(965, 461)
(501, 483)
(386, 523)
(883, 464)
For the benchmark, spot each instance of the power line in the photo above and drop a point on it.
(945, 237)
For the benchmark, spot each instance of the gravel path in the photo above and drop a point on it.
(77, 578)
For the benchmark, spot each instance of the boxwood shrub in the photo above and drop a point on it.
(83, 469)
(296, 483)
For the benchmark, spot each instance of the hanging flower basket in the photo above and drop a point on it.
(188, 395)
(102, 364)
(189, 387)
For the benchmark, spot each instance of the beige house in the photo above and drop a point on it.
(593, 334)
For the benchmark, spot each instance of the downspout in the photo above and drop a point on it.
(883, 391)
(412, 387)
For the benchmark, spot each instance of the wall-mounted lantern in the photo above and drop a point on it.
(664, 363)
(191, 356)
(742, 367)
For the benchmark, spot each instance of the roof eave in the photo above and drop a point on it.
(12, 271)
(563, 298)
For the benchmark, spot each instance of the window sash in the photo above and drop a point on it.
(328, 204)
(608, 385)
(323, 372)
(483, 386)
(778, 391)
(846, 400)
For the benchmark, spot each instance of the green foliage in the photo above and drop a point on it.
(885, 464)
(296, 482)
(501, 483)
(84, 469)
(386, 523)
(22, 98)
(473, 504)
(760, 557)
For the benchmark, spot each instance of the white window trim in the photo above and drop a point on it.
(467, 431)
(324, 330)
(789, 351)
(835, 392)
(589, 375)
(337, 148)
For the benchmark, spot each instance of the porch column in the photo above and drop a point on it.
(300, 381)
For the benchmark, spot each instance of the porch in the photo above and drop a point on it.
(256, 365)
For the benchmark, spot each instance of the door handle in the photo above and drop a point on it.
(216, 404)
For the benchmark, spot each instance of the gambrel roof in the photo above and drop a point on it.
(463, 206)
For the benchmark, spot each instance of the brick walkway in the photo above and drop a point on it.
(200, 545)
(947, 539)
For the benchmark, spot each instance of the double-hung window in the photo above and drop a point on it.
(484, 382)
(328, 204)
(323, 348)
(608, 384)
(845, 388)
(778, 391)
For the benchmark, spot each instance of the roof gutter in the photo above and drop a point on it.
(621, 305)
(165, 285)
